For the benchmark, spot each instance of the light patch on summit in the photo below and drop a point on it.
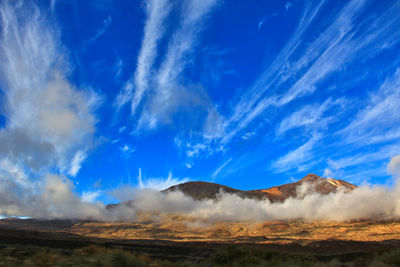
(333, 182)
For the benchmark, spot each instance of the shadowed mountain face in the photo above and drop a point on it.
(205, 190)
(315, 183)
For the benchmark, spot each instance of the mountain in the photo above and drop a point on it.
(205, 190)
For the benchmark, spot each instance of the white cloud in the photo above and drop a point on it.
(394, 166)
(365, 157)
(53, 4)
(157, 11)
(159, 183)
(121, 129)
(50, 123)
(248, 135)
(309, 116)
(219, 169)
(90, 196)
(158, 94)
(328, 173)
(362, 203)
(197, 148)
(194, 150)
(167, 95)
(100, 31)
(253, 102)
(300, 67)
(379, 120)
(52, 198)
(76, 163)
(288, 5)
(188, 165)
(126, 150)
(295, 158)
(118, 68)
(182, 41)
(14, 171)
(260, 23)
(34, 68)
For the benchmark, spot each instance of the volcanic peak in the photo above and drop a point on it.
(205, 190)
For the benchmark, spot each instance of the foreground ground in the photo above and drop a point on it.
(159, 240)
(228, 255)
(183, 229)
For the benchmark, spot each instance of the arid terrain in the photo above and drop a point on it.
(178, 228)
(176, 236)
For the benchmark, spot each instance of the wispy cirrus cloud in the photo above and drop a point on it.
(158, 88)
(221, 167)
(297, 157)
(252, 103)
(303, 68)
(300, 67)
(170, 94)
(364, 157)
(302, 89)
(371, 135)
(310, 116)
(376, 125)
(379, 121)
(100, 31)
(159, 183)
(257, 99)
(157, 12)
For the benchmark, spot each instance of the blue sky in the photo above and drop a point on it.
(153, 93)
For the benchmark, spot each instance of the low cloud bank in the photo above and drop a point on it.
(54, 198)
(365, 202)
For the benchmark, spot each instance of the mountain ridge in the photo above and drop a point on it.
(200, 190)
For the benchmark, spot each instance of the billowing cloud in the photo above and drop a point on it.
(50, 122)
(48, 119)
(54, 198)
(394, 166)
(362, 203)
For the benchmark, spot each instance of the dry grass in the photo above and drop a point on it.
(180, 228)
(233, 255)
